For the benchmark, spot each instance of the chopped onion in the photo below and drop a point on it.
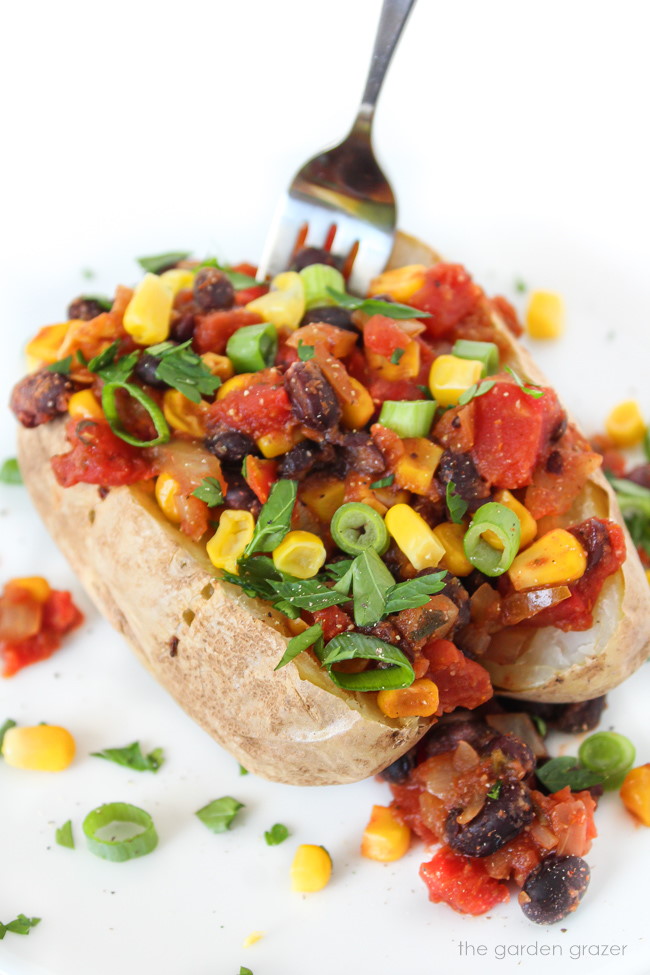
(20, 618)
(465, 757)
(471, 810)
(519, 606)
(521, 726)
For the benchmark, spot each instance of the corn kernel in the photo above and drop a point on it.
(624, 425)
(300, 554)
(554, 559)
(526, 521)
(400, 283)
(36, 586)
(183, 415)
(219, 365)
(414, 537)
(385, 839)
(635, 793)
(147, 315)
(279, 442)
(284, 304)
(42, 748)
(252, 938)
(407, 367)
(237, 383)
(85, 406)
(450, 377)
(450, 536)
(230, 539)
(45, 345)
(178, 279)
(167, 489)
(311, 869)
(545, 315)
(356, 414)
(415, 468)
(420, 700)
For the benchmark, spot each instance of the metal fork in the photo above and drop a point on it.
(340, 199)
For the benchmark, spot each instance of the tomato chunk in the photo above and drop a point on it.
(60, 617)
(333, 620)
(448, 294)
(462, 882)
(461, 682)
(261, 408)
(214, 329)
(383, 336)
(260, 475)
(97, 456)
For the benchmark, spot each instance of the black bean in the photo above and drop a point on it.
(240, 496)
(182, 329)
(40, 397)
(362, 454)
(499, 820)
(400, 769)
(594, 536)
(213, 290)
(230, 446)
(461, 469)
(514, 750)
(313, 401)
(554, 888)
(304, 458)
(146, 371)
(584, 716)
(331, 315)
(445, 736)
(84, 309)
(559, 429)
(554, 462)
(314, 255)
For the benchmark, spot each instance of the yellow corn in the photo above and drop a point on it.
(323, 496)
(450, 536)
(41, 748)
(420, 700)
(252, 938)
(624, 425)
(182, 414)
(284, 305)
(526, 521)
(45, 345)
(635, 793)
(230, 539)
(385, 839)
(279, 442)
(167, 489)
(178, 279)
(235, 384)
(85, 406)
(451, 376)
(311, 869)
(407, 368)
(300, 554)
(219, 365)
(556, 558)
(355, 415)
(401, 283)
(147, 315)
(414, 537)
(545, 315)
(415, 468)
(37, 586)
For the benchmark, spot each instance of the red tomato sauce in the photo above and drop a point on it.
(58, 617)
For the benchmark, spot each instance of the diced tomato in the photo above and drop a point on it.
(515, 860)
(561, 474)
(406, 806)
(511, 429)
(462, 882)
(260, 475)
(455, 428)
(60, 616)
(97, 456)
(248, 294)
(261, 408)
(286, 355)
(448, 294)
(394, 389)
(507, 312)
(357, 366)
(461, 682)
(214, 329)
(334, 620)
(384, 336)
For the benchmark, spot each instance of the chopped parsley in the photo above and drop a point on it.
(210, 491)
(276, 835)
(131, 757)
(456, 506)
(219, 814)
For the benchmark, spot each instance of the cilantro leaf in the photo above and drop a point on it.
(210, 491)
(274, 521)
(396, 356)
(21, 925)
(181, 368)
(414, 592)
(63, 835)
(495, 791)
(374, 306)
(456, 505)
(160, 262)
(62, 367)
(219, 814)
(533, 391)
(276, 835)
(305, 352)
(131, 757)
(10, 472)
(477, 389)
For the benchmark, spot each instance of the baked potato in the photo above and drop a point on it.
(216, 650)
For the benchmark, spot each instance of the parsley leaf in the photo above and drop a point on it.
(22, 925)
(10, 472)
(62, 366)
(276, 835)
(477, 389)
(63, 835)
(395, 672)
(566, 770)
(533, 391)
(244, 971)
(396, 356)
(107, 367)
(336, 570)
(219, 814)
(305, 352)
(373, 306)
(209, 490)
(456, 505)
(495, 791)
(308, 594)
(383, 482)
(160, 262)
(238, 280)
(274, 521)
(413, 592)
(131, 756)
(9, 723)
(371, 582)
(184, 370)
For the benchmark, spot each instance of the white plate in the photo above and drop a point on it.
(517, 147)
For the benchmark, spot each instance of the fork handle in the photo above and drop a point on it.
(394, 14)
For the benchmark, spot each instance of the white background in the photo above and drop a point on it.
(515, 134)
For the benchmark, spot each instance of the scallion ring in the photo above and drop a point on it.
(109, 406)
(610, 754)
(253, 347)
(119, 815)
(506, 526)
(397, 671)
(356, 526)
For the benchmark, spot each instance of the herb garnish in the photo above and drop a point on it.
(540, 724)
(566, 770)
(383, 482)
(308, 594)
(305, 352)
(219, 814)
(371, 581)
(274, 521)
(276, 835)
(242, 770)
(456, 506)
(62, 367)
(302, 641)
(22, 925)
(10, 472)
(533, 391)
(413, 593)
(210, 491)
(396, 671)
(396, 356)
(160, 262)
(107, 367)
(373, 306)
(63, 835)
(131, 756)
(476, 389)
(184, 370)
(495, 791)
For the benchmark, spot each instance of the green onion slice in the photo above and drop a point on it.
(317, 279)
(485, 352)
(610, 754)
(505, 525)
(408, 418)
(396, 672)
(118, 816)
(109, 406)
(356, 526)
(253, 347)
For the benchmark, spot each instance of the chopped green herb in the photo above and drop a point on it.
(308, 594)
(108, 367)
(305, 352)
(395, 672)
(184, 370)
(373, 306)
(10, 472)
(131, 756)
(533, 391)
(219, 814)
(477, 389)
(63, 835)
(87, 273)
(520, 286)
(495, 791)
(242, 770)
(301, 642)
(276, 835)
(383, 482)
(274, 521)
(456, 506)
(160, 262)
(413, 592)
(540, 724)
(567, 770)
(9, 723)
(426, 392)
(62, 366)
(210, 491)
(22, 925)
(244, 971)
(336, 570)
(396, 356)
